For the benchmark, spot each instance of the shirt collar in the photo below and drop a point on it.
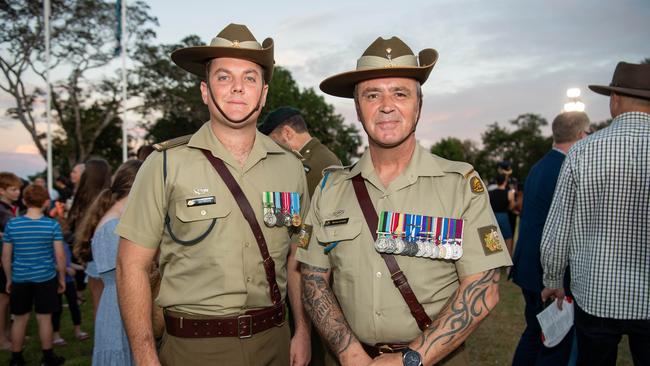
(205, 139)
(309, 145)
(422, 164)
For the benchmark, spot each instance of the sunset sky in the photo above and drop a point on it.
(498, 58)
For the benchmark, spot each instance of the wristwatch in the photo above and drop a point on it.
(411, 357)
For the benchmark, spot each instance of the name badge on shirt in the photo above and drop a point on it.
(336, 221)
(201, 201)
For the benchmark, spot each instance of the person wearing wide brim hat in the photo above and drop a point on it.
(403, 217)
(601, 197)
(199, 200)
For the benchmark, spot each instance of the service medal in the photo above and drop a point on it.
(399, 246)
(296, 220)
(269, 219)
(286, 219)
(279, 219)
(448, 253)
(420, 247)
(435, 252)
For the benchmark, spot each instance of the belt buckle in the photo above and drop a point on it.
(245, 326)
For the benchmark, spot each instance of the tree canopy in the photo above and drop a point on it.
(82, 40)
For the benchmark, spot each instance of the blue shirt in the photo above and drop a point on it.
(33, 248)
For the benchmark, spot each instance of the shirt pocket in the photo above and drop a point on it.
(346, 251)
(193, 224)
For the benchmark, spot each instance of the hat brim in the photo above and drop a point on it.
(193, 59)
(342, 85)
(607, 90)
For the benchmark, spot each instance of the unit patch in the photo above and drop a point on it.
(490, 239)
(304, 236)
(476, 185)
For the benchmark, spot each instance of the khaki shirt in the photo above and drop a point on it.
(316, 157)
(430, 185)
(223, 273)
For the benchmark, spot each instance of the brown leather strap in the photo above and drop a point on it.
(242, 326)
(249, 215)
(396, 274)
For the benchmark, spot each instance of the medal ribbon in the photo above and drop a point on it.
(295, 203)
(277, 201)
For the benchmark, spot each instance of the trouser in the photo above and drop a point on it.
(75, 312)
(598, 339)
(530, 350)
(267, 348)
(458, 357)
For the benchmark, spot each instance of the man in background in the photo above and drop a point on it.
(287, 127)
(568, 128)
(598, 225)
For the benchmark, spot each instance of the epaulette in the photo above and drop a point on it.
(293, 152)
(166, 145)
(332, 168)
(451, 166)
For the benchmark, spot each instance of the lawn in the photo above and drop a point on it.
(492, 344)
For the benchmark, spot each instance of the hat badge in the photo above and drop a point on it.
(389, 57)
(235, 43)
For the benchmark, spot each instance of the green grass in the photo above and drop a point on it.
(493, 343)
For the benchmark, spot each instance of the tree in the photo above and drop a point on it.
(523, 146)
(173, 93)
(82, 40)
(454, 149)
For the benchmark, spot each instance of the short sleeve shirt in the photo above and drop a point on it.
(431, 186)
(219, 270)
(33, 248)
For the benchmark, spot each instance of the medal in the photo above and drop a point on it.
(269, 219)
(277, 202)
(400, 245)
(448, 252)
(296, 220)
(420, 251)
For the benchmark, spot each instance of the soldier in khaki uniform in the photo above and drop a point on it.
(288, 128)
(224, 304)
(363, 316)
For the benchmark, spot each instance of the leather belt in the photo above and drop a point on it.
(242, 326)
(380, 348)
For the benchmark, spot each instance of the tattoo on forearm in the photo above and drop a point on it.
(324, 310)
(462, 312)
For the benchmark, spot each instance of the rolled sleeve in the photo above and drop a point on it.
(143, 219)
(314, 255)
(477, 215)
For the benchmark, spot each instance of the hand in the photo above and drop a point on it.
(70, 271)
(61, 288)
(300, 349)
(8, 287)
(394, 359)
(554, 294)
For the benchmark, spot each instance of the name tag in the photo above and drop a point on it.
(337, 222)
(201, 201)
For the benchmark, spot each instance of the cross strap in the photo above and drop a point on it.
(249, 215)
(396, 274)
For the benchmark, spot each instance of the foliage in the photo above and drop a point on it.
(82, 41)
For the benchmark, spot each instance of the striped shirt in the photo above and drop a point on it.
(33, 248)
(599, 221)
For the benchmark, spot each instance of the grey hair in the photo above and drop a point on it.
(568, 126)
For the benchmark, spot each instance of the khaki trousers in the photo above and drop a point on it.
(267, 348)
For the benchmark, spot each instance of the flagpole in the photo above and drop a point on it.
(48, 98)
(123, 48)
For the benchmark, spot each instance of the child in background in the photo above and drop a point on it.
(33, 260)
(71, 297)
(9, 192)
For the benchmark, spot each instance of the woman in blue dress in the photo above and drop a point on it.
(111, 345)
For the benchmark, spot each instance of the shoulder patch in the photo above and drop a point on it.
(490, 239)
(476, 185)
(166, 145)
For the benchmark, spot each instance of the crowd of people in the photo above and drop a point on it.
(47, 254)
(197, 254)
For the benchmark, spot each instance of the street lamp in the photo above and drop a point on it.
(574, 104)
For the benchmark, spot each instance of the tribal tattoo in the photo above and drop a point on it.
(462, 313)
(325, 312)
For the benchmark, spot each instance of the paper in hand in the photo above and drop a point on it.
(556, 323)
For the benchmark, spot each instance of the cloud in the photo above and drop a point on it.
(26, 149)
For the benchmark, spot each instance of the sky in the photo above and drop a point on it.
(498, 58)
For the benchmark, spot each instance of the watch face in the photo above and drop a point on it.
(412, 358)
